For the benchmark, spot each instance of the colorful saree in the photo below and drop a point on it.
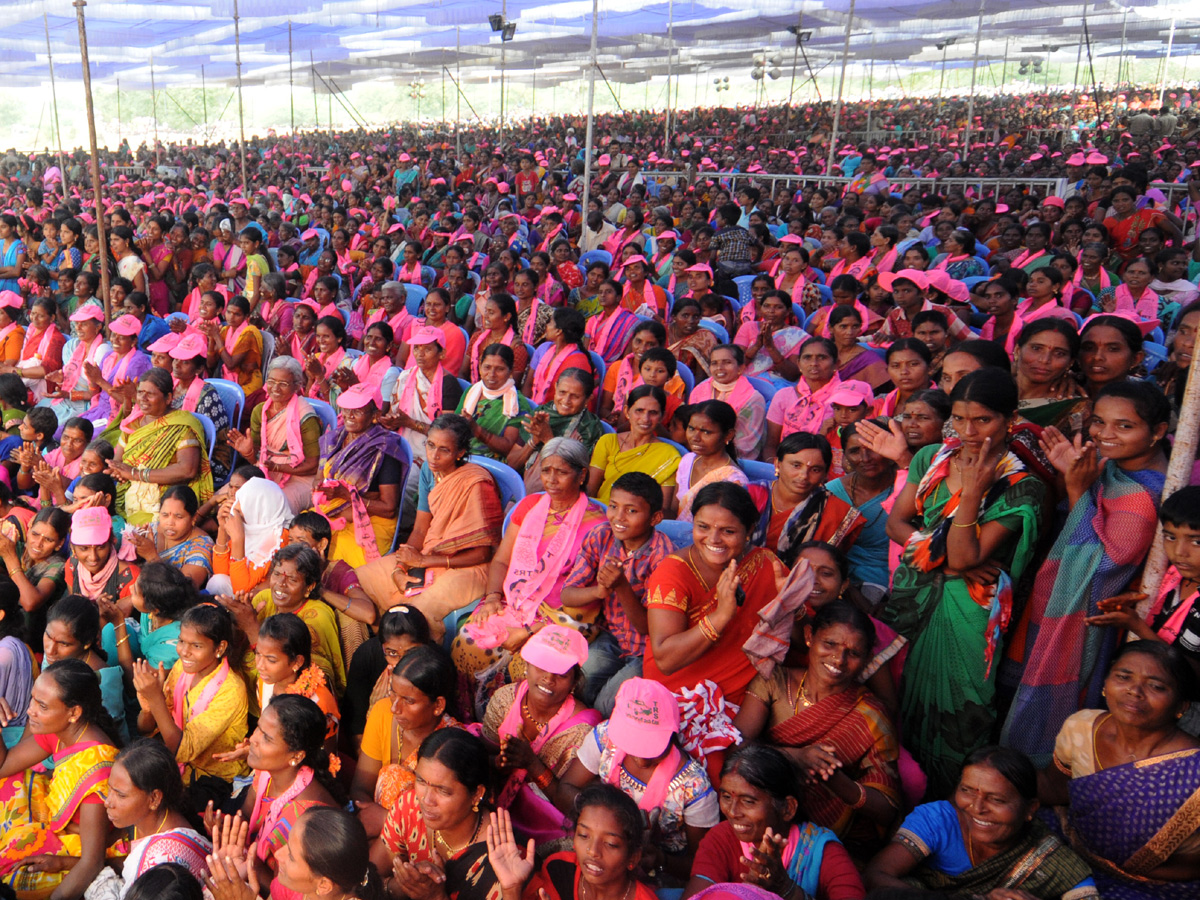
(955, 627)
(657, 459)
(154, 446)
(37, 807)
(609, 336)
(357, 536)
(469, 874)
(1128, 820)
(1103, 542)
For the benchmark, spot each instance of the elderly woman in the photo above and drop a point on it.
(159, 447)
(527, 574)
(360, 479)
(564, 414)
(444, 563)
(284, 434)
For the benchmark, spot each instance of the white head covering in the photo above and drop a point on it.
(266, 512)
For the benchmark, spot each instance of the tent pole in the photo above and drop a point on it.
(587, 152)
(154, 107)
(837, 110)
(291, 83)
(1078, 62)
(1121, 58)
(457, 91)
(95, 159)
(119, 109)
(1162, 85)
(871, 88)
(312, 67)
(942, 81)
(503, 60)
(670, 70)
(795, 60)
(204, 99)
(237, 49)
(54, 97)
(974, 71)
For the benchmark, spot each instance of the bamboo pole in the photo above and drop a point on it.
(154, 107)
(291, 83)
(95, 160)
(837, 110)
(237, 49)
(312, 67)
(54, 99)
(587, 153)
(974, 73)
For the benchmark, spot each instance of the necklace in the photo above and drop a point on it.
(691, 565)
(583, 884)
(774, 506)
(158, 828)
(450, 851)
(802, 700)
(531, 718)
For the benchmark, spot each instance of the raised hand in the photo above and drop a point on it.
(889, 442)
(512, 870)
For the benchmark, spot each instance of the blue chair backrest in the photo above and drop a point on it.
(682, 449)
(757, 471)
(428, 276)
(607, 428)
(679, 533)
(826, 294)
(689, 379)
(1156, 354)
(717, 329)
(764, 386)
(353, 354)
(592, 255)
(743, 283)
(325, 413)
(210, 432)
(464, 384)
(414, 294)
(1157, 335)
(798, 312)
(406, 462)
(599, 365)
(971, 280)
(987, 266)
(232, 396)
(509, 483)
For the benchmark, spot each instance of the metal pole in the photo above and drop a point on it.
(670, 70)
(291, 83)
(154, 107)
(795, 59)
(942, 82)
(587, 151)
(118, 110)
(871, 88)
(457, 93)
(237, 50)
(974, 70)
(95, 160)
(1004, 70)
(54, 98)
(1121, 58)
(312, 67)
(1162, 85)
(204, 99)
(837, 110)
(503, 60)
(1078, 61)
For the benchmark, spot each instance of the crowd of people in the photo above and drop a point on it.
(398, 526)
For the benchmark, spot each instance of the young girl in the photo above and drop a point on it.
(710, 431)
(283, 660)
(199, 708)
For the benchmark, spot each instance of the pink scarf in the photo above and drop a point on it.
(232, 336)
(512, 725)
(887, 262)
(797, 289)
(598, 330)
(409, 273)
(371, 373)
(656, 788)
(331, 362)
(192, 398)
(74, 366)
(544, 375)
(1105, 278)
(827, 331)
(530, 329)
(531, 574)
(69, 469)
(117, 367)
(477, 350)
(618, 241)
(1145, 307)
(649, 299)
(1174, 624)
(92, 586)
(285, 427)
(184, 685)
(1026, 258)
(789, 849)
(409, 395)
(266, 827)
(736, 396)
(43, 338)
(1010, 342)
(812, 407)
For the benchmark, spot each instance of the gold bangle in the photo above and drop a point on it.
(862, 797)
(965, 524)
(122, 640)
(707, 629)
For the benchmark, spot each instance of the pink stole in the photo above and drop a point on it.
(617, 243)
(116, 373)
(1145, 307)
(232, 336)
(865, 313)
(69, 469)
(1174, 624)
(887, 262)
(598, 330)
(736, 396)
(809, 411)
(1010, 341)
(530, 329)
(410, 396)
(950, 259)
(371, 373)
(649, 298)
(297, 346)
(267, 826)
(477, 350)
(74, 367)
(656, 788)
(192, 398)
(512, 725)
(1105, 278)
(43, 339)
(1026, 258)
(283, 430)
(409, 273)
(544, 375)
(184, 685)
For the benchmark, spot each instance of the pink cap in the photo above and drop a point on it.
(166, 343)
(190, 346)
(792, 239)
(701, 267)
(636, 258)
(1076, 159)
(359, 395)
(503, 187)
(604, 160)
(667, 236)
(644, 718)
(91, 527)
(126, 324)
(1097, 159)
(426, 334)
(11, 298)
(88, 311)
(916, 276)
(556, 649)
(852, 393)
(309, 234)
(1055, 201)
(955, 290)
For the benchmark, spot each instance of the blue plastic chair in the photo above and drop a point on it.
(682, 449)
(593, 255)
(1156, 354)
(743, 283)
(689, 379)
(406, 463)
(607, 428)
(325, 413)
(454, 620)
(764, 386)
(971, 280)
(464, 384)
(353, 354)
(798, 312)
(1157, 336)
(428, 277)
(719, 330)
(757, 471)
(509, 483)
(826, 294)
(987, 266)
(679, 533)
(414, 295)
(210, 432)
(599, 365)
(232, 396)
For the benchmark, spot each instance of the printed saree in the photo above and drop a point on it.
(357, 536)
(154, 446)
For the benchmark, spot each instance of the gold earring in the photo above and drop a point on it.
(475, 806)
(1103, 692)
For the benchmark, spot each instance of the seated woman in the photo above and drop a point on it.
(359, 478)
(493, 405)
(868, 484)
(836, 733)
(536, 725)
(704, 602)
(772, 342)
(709, 430)
(563, 350)
(948, 847)
(17, 665)
(284, 434)
(145, 797)
(526, 576)
(112, 376)
(160, 595)
(236, 347)
(727, 363)
(42, 352)
(687, 341)
(283, 661)
(193, 394)
(174, 538)
(73, 632)
(565, 415)
(422, 687)
(445, 559)
(39, 571)
(499, 327)
(1125, 775)
(300, 340)
(437, 308)
(94, 568)
(638, 751)
(370, 367)
(798, 507)
(199, 708)
(401, 629)
(603, 817)
(249, 532)
(609, 331)
(63, 815)
(425, 847)
(68, 391)
(638, 450)
(623, 374)
(760, 841)
(159, 447)
(806, 405)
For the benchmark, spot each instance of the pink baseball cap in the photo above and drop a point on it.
(644, 718)
(556, 649)
(701, 267)
(166, 343)
(11, 298)
(126, 324)
(955, 290)
(853, 393)
(91, 527)
(189, 347)
(359, 395)
(88, 311)
(426, 334)
(310, 234)
(916, 276)
(1055, 201)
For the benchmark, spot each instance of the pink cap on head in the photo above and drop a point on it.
(604, 159)
(91, 527)
(701, 267)
(792, 239)
(190, 346)
(952, 288)
(11, 299)
(1097, 159)
(645, 717)
(1001, 208)
(166, 343)
(392, 229)
(556, 649)
(503, 187)
(1144, 325)
(88, 311)
(853, 393)
(309, 234)
(636, 258)
(1054, 201)
(426, 334)
(916, 276)
(667, 236)
(126, 324)
(360, 395)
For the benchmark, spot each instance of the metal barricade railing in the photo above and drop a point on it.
(319, 171)
(981, 187)
(127, 171)
(1173, 191)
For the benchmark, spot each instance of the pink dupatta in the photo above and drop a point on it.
(433, 399)
(275, 811)
(477, 350)
(736, 396)
(283, 430)
(1144, 307)
(179, 702)
(811, 409)
(74, 366)
(371, 373)
(656, 788)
